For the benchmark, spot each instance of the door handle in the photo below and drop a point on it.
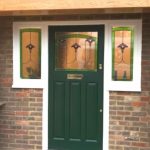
(100, 67)
(101, 110)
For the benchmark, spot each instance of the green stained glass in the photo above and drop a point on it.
(76, 50)
(30, 53)
(122, 53)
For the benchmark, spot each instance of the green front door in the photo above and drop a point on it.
(75, 87)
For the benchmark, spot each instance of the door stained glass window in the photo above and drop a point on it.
(30, 53)
(76, 50)
(122, 53)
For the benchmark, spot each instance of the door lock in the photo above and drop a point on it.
(100, 67)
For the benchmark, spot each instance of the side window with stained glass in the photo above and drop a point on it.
(122, 53)
(30, 53)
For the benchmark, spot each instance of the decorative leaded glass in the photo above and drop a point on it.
(122, 53)
(76, 50)
(30, 54)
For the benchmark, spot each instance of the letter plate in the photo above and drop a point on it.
(74, 76)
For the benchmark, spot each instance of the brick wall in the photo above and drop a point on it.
(130, 111)
(21, 116)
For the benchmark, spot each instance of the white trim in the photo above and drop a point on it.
(106, 93)
(108, 84)
(135, 84)
(28, 83)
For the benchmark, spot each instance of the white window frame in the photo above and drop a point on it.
(135, 84)
(19, 82)
(109, 85)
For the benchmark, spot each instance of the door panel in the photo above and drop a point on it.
(91, 110)
(75, 110)
(59, 116)
(75, 87)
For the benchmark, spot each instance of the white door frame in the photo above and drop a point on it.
(134, 85)
(105, 92)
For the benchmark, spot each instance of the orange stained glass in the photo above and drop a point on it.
(76, 50)
(30, 53)
(122, 45)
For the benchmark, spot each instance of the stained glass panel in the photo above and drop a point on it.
(30, 53)
(76, 50)
(122, 47)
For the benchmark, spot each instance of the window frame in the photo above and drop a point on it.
(135, 84)
(43, 82)
(19, 82)
(110, 85)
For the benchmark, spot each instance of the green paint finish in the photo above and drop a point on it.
(130, 29)
(91, 116)
(75, 110)
(59, 116)
(84, 36)
(75, 122)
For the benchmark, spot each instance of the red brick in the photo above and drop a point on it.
(21, 94)
(125, 113)
(22, 113)
(22, 132)
(139, 144)
(138, 104)
(22, 122)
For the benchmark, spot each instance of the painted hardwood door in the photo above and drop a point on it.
(75, 87)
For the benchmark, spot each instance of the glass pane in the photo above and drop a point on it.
(122, 44)
(30, 53)
(76, 50)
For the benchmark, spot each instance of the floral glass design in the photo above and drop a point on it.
(76, 50)
(30, 55)
(122, 53)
